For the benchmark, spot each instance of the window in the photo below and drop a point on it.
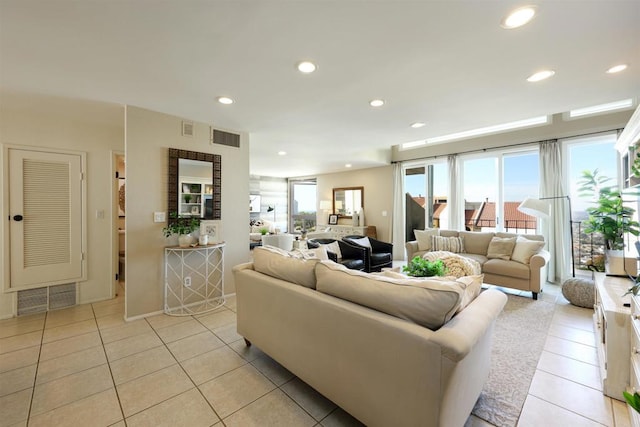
(494, 186)
(426, 191)
(303, 205)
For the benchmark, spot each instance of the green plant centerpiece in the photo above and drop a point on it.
(181, 226)
(420, 267)
(632, 399)
(264, 231)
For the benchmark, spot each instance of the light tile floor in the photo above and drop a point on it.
(85, 366)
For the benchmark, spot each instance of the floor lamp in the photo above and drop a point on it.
(540, 209)
(272, 209)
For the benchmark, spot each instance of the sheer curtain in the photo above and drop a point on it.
(455, 208)
(555, 229)
(397, 220)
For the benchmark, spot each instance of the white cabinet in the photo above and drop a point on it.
(612, 324)
(194, 279)
(194, 197)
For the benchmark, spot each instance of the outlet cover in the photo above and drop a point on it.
(187, 281)
(159, 217)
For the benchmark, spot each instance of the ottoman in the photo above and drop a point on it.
(579, 292)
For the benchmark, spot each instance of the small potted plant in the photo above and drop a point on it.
(182, 227)
(420, 267)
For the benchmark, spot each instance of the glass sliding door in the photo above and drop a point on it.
(303, 205)
(520, 179)
(481, 191)
(426, 191)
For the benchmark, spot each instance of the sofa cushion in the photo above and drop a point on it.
(500, 267)
(476, 242)
(296, 267)
(481, 259)
(423, 237)
(427, 302)
(501, 248)
(449, 244)
(525, 249)
(472, 286)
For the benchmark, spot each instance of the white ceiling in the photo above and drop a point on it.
(446, 63)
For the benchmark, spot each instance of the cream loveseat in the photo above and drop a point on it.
(506, 259)
(377, 365)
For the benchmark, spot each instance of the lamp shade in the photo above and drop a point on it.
(535, 207)
(325, 205)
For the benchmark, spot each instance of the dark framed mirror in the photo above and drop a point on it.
(195, 185)
(347, 200)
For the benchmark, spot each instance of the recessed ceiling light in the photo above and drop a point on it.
(225, 100)
(376, 102)
(601, 108)
(348, 165)
(518, 17)
(282, 153)
(540, 75)
(307, 67)
(617, 69)
(417, 125)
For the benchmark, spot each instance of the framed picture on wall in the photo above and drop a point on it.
(254, 203)
(333, 219)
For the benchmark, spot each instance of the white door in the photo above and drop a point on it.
(45, 217)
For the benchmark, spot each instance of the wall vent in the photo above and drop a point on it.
(225, 138)
(39, 300)
(187, 128)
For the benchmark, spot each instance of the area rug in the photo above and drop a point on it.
(518, 340)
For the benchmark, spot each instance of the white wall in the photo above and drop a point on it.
(149, 135)
(92, 127)
(378, 195)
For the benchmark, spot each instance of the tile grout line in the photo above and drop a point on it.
(35, 376)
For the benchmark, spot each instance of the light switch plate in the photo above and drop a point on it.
(159, 217)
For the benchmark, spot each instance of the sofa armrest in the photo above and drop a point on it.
(540, 259)
(538, 270)
(380, 246)
(458, 336)
(411, 247)
(243, 266)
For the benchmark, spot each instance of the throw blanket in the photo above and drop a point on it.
(456, 264)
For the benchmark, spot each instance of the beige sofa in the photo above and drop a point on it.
(527, 273)
(382, 369)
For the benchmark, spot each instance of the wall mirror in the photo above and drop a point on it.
(348, 200)
(194, 188)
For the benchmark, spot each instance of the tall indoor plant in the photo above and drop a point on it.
(609, 217)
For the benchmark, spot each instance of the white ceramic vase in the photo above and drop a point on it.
(184, 240)
(361, 217)
(355, 219)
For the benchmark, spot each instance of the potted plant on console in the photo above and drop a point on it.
(609, 217)
(182, 227)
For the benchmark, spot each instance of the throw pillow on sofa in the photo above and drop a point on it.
(525, 249)
(423, 237)
(364, 241)
(427, 302)
(449, 244)
(296, 267)
(501, 248)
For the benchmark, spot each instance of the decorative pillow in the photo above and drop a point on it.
(457, 265)
(296, 267)
(449, 244)
(501, 248)
(427, 302)
(333, 247)
(362, 242)
(424, 237)
(525, 249)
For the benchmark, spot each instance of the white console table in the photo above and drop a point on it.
(340, 231)
(194, 279)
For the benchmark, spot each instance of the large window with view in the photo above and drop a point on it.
(303, 205)
(426, 191)
(494, 185)
(590, 154)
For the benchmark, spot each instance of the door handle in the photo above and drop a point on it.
(17, 218)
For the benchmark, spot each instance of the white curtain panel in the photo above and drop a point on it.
(555, 229)
(398, 217)
(455, 208)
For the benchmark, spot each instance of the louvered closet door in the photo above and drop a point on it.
(46, 244)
